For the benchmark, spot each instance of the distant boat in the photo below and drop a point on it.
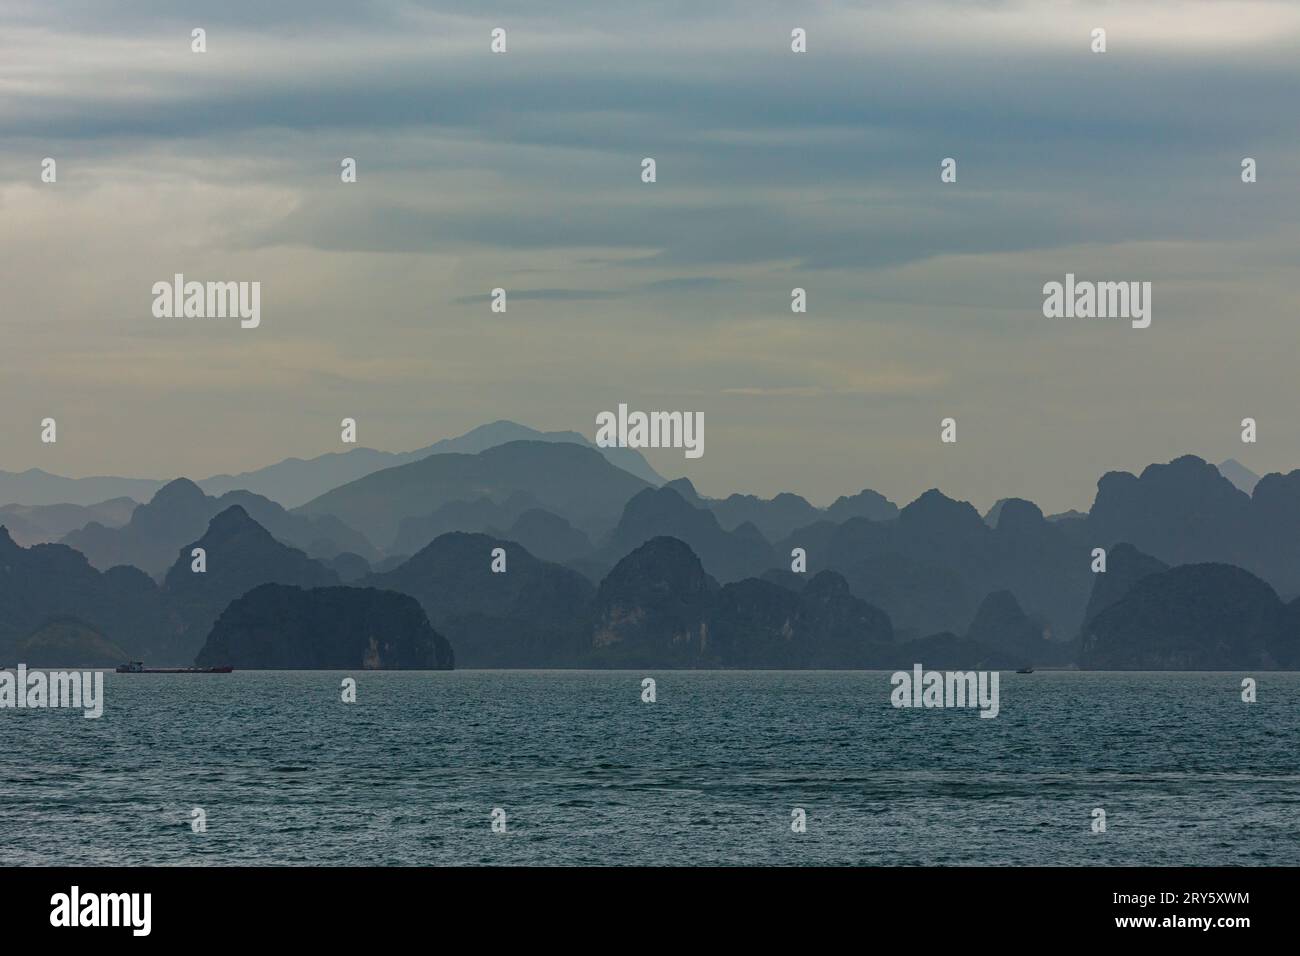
(1025, 670)
(137, 667)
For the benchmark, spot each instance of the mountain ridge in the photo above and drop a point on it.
(294, 481)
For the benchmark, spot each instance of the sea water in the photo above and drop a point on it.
(582, 771)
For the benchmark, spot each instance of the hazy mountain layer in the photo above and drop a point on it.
(1190, 580)
(238, 555)
(180, 512)
(35, 524)
(296, 481)
(570, 480)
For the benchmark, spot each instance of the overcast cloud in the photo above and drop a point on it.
(775, 170)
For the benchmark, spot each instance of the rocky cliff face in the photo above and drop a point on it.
(277, 626)
(658, 607)
(651, 607)
(1192, 617)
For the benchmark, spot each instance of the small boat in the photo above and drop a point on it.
(137, 667)
(1025, 670)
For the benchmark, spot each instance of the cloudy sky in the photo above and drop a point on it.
(775, 170)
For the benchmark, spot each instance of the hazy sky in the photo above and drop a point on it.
(775, 170)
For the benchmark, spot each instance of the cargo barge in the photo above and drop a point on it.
(137, 667)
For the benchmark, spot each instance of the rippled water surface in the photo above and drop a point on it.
(588, 774)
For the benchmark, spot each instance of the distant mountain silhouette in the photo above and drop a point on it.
(814, 539)
(37, 487)
(240, 555)
(687, 490)
(275, 626)
(1125, 567)
(53, 581)
(571, 480)
(293, 481)
(496, 433)
(657, 512)
(548, 536)
(993, 514)
(1182, 512)
(179, 513)
(775, 517)
(1239, 475)
(296, 481)
(1272, 536)
(532, 615)
(69, 642)
(920, 594)
(536, 614)
(176, 514)
(950, 532)
(929, 567)
(1193, 617)
(349, 567)
(782, 515)
(475, 516)
(865, 504)
(390, 562)
(38, 524)
(1068, 517)
(925, 569)
(321, 536)
(658, 607)
(933, 582)
(1001, 624)
(1186, 512)
(1042, 564)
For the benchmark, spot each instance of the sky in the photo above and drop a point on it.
(775, 170)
